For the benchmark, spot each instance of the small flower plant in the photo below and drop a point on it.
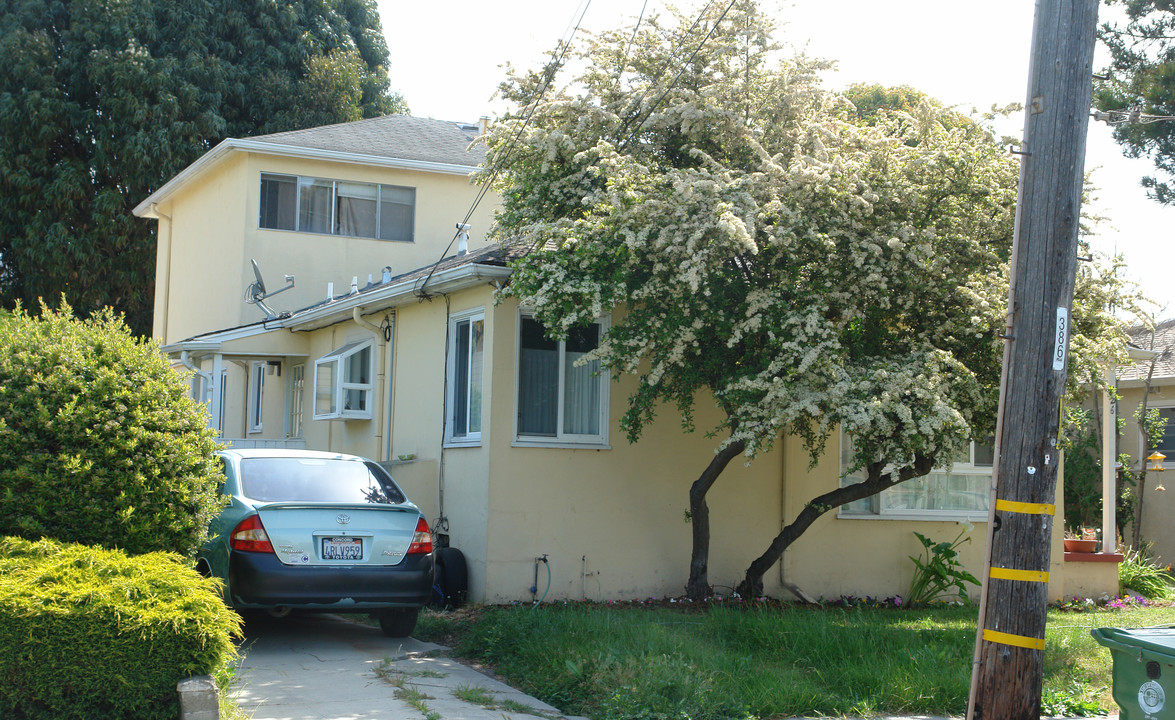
(1102, 603)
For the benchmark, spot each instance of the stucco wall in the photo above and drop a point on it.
(197, 263)
(203, 268)
(1158, 505)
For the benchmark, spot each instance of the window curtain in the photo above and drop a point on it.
(581, 390)
(396, 205)
(356, 206)
(538, 382)
(314, 213)
(279, 200)
(476, 355)
(581, 396)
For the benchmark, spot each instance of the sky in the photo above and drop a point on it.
(447, 59)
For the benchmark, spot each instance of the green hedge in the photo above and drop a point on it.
(99, 443)
(93, 633)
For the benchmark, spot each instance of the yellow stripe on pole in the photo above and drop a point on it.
(1025, 508)
(1013, 640)
(998, 573)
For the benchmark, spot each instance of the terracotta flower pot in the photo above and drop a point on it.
(1083, 546)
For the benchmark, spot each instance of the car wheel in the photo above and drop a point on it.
(398, 623)
(454, 576)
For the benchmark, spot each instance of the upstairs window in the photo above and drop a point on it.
(336, 207)
(343, 383)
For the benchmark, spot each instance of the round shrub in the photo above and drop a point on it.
(99, 442)
(92, 633)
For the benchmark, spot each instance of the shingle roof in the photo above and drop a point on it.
(1164, 342)
(391, 136)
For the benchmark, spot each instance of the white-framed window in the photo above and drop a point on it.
(297, 388)
(1166, 444)
(464, 367)
(960, 493)
(256, 394)
(337, 207)
(343, 384)
(560, 401)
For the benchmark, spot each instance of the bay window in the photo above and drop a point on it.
(343, 383)
(960, 493)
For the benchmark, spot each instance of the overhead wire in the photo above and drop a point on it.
(551, 69)
(549, 73)
(684, 66)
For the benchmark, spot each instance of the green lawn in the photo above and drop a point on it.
(631, 662)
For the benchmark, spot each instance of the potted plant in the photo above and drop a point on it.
(1083, 540)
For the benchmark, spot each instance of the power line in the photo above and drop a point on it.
(694, 54)
(549, 72)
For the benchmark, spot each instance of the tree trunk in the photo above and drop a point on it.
(698, 587)
(752, 584)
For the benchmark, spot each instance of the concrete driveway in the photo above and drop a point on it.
(328, 667)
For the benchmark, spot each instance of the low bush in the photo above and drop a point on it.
(93, 633)
(1139, 572)
(99, 442)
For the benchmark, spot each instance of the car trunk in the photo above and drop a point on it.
(341, 534)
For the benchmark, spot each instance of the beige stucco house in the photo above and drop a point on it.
(390, 344)
(1158, 502)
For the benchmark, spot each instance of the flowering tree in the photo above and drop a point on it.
(802, 265)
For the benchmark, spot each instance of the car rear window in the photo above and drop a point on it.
(283, 479)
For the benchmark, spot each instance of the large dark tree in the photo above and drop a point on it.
(102, 101)
(1141, 77)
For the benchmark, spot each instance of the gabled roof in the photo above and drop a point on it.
(1163, 343)
(393, 141)
(391, 136)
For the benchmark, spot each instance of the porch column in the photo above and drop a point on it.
(1109, 461)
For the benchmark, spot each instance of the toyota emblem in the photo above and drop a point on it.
(343, 519)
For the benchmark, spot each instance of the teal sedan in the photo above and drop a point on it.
(316, 531)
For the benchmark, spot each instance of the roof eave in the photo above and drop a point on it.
(146, 208)
(444, 281)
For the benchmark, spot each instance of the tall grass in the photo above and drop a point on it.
(612, 662)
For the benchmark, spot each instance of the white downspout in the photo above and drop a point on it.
(380, 428)
(215, 406)
(206, 376)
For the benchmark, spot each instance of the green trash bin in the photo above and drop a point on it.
(1144, 670)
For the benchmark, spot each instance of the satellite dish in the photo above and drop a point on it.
(257, 274)
(256, 293)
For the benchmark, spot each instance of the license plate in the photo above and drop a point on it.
(342, 549)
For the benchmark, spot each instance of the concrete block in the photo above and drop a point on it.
(199, 699)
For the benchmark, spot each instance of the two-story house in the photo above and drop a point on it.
(389, 341)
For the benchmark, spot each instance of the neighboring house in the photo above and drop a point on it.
(511, 448)
(1158, 502)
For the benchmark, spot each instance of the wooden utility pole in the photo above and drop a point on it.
(1007, 676)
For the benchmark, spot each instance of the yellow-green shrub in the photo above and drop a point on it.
(99, 443)
(92, 633)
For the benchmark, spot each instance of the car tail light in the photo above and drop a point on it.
(422, 540)
(249, 536)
